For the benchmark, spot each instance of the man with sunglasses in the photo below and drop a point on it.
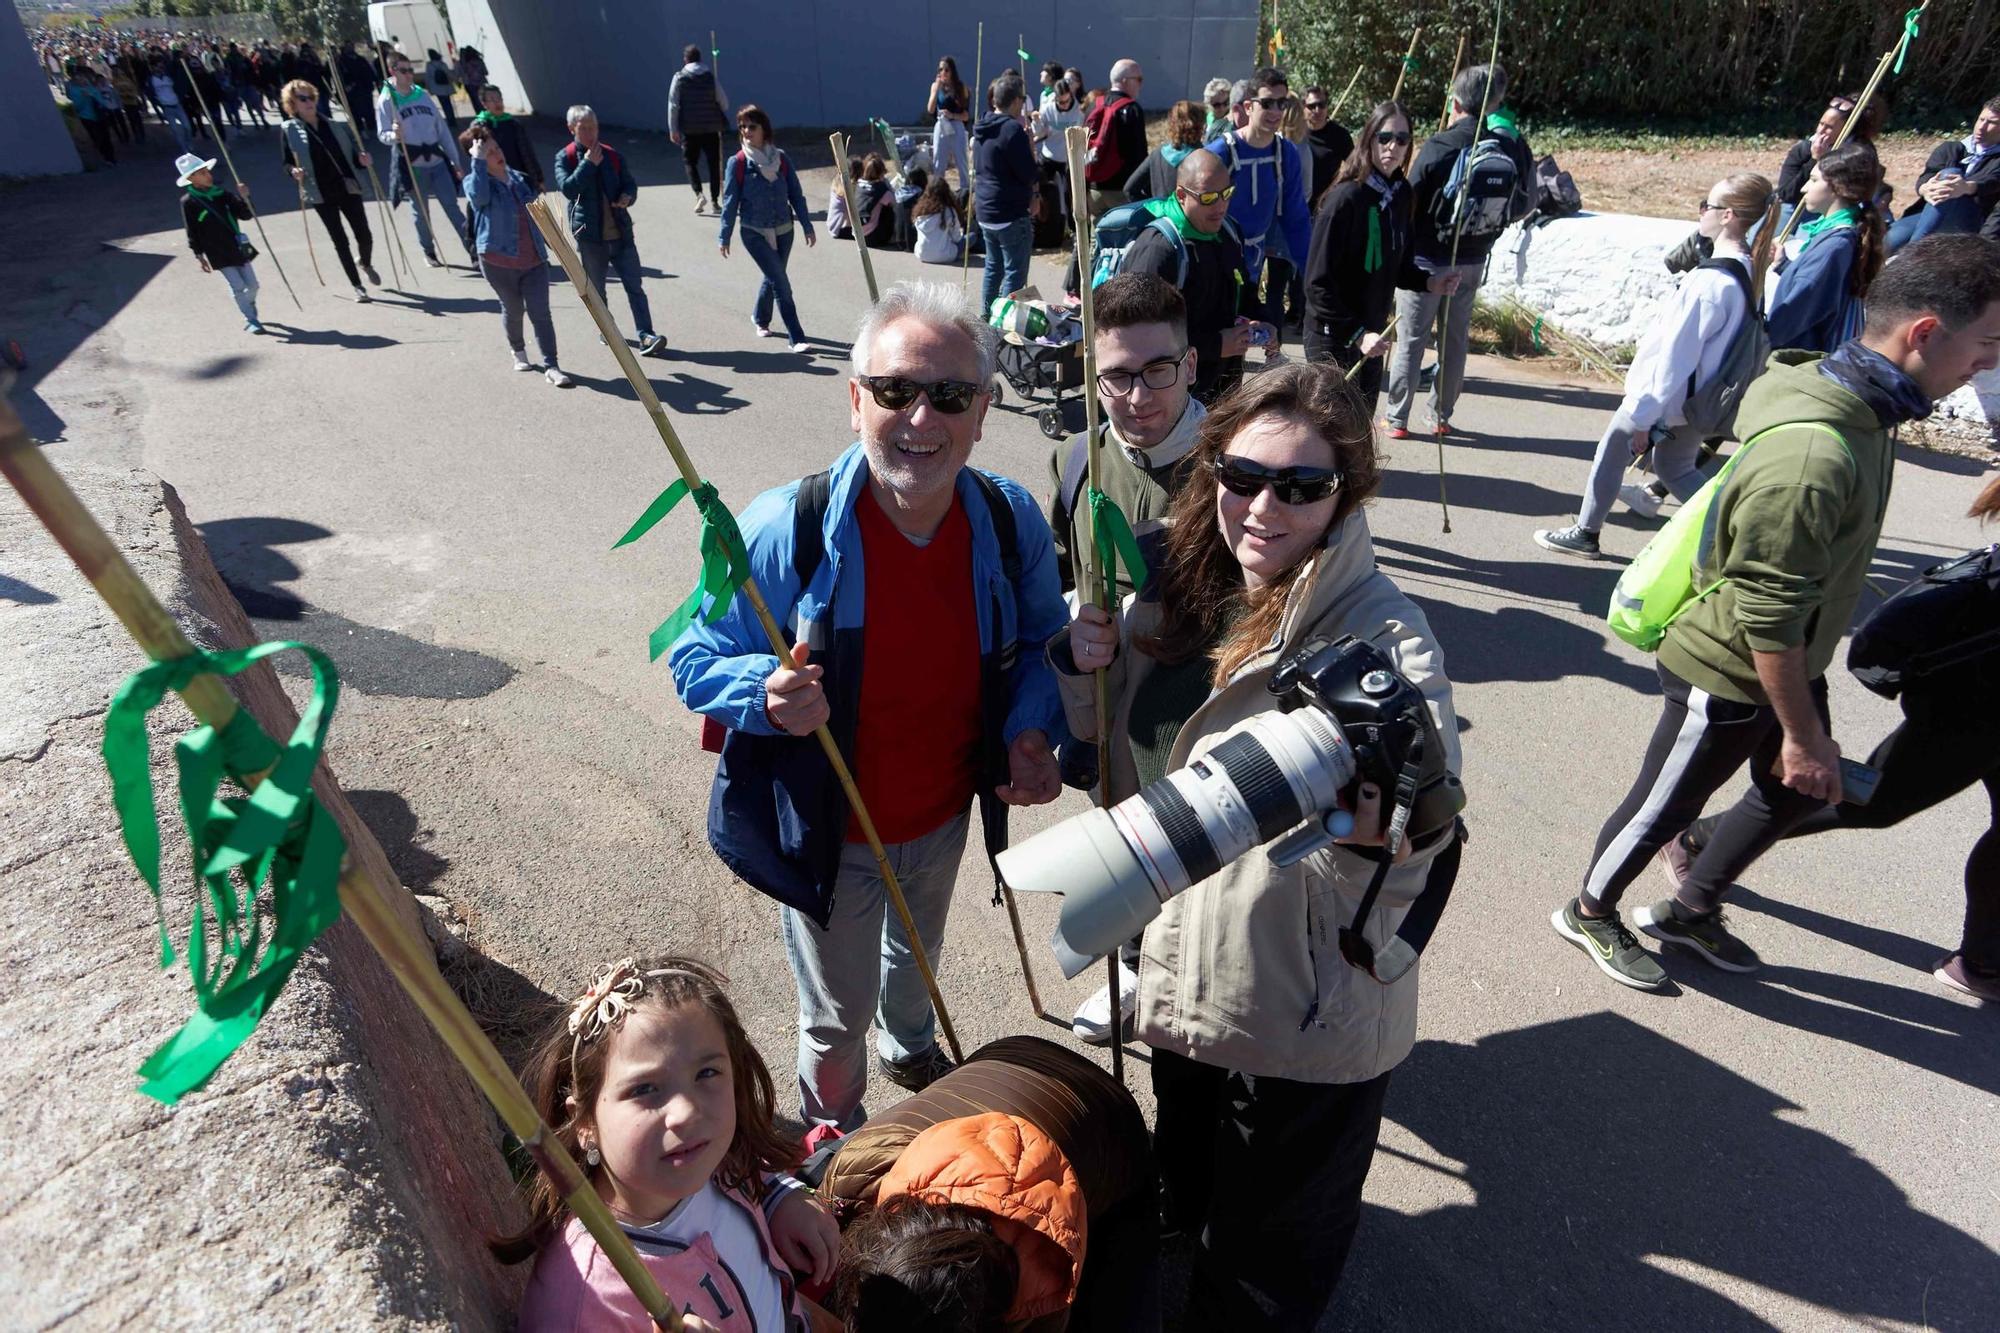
(1117, 136)
(1270, 191)
(921, 594)
(408, 116)
(1329, 141)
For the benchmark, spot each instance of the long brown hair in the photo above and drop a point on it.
(1987, 505)
(1855, 175)
(1749, 196)
(1361, 160)
(1201, 583)
(566, 1074)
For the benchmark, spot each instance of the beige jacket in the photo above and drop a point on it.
(1231, 968)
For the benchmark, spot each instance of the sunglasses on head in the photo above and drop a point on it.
(1207, 197)
(1386, 137)
(1292, 485)
(895, 393)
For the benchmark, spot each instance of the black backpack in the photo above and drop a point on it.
(1948, 617)
(1479, 195)
(1556, 195)
(809, 526)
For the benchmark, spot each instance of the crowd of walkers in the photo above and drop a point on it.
(1022, 1185)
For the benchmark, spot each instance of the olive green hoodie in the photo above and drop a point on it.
(1794, 529)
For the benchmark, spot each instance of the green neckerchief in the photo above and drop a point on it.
(213, 196)
(1503, 119)
(1170, 209)
(1840, 217)
(1371, 259)
(400, 99)
(491, 118)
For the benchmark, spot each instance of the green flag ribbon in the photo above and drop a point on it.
(724, 562)
(1909, 35)
(1410, 64)
(278, 835)
(1371, 258)
(1112, 532)
(1026, 59)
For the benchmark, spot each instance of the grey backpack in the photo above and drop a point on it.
(1711, 407)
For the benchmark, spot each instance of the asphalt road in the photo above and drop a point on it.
(1810, 1147)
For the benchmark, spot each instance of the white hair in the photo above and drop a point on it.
(1215, 86)
(937, 304)
(576, 113)
(1123, 70)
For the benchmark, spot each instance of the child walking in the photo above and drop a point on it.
(215, 232)
(652, 1083)
(1684, 346)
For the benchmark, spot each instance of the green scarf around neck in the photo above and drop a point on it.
(212, 197)
(1170, 209)
(491, 118)
(1840, 217)
(404, 99)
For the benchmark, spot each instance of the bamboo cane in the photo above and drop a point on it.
(1103, 589)
(393, 246)
(1868, 92)
(407, 955)
(306, 227)
(965, 257)
(255, 218)
(1457, 63)
(1350, 88)
(1387, 329)
(839, 143)
(1403, 68)
(423, 206)
(565, 254)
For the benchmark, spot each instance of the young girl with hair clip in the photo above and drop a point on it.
(651, 1082)
(1829, 264)
(1684, 345)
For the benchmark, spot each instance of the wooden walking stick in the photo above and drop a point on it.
(1457, 63)
(839, 143)
(978, 76)
(393, 246)
(1350, 88)
(255, 217)
(1409, 63)
(406, 953)
(1387, 329)
(1103, 583)
(306, 227)
(691, 483)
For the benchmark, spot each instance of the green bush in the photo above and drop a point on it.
(1743, 64)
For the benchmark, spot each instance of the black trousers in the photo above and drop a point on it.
(346, 204)
(1339, 351)
(1264, 1177)
(100, 135)
(1698, 744)
(694, 147)
(1948, 740)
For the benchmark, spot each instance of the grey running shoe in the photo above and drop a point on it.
(1706, 935)
(919, 1071)
(651, 344)
(1572, 540)
(1610, 946)
(1967, 979)
(1674, 859)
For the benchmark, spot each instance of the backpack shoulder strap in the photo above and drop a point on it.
(742, 165)
(1736, 269)
(809, 525)
(1075, 471)
(1005, 530)
(1174, 238)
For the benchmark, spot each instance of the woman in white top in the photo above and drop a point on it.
(1057, 114)
(1684, 346)
(940, 235)
(951, 102)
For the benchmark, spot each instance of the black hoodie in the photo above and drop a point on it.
(1003, 168)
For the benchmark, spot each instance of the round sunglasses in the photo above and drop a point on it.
(895, 392)
(1292, 485)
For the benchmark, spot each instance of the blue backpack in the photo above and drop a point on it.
(1119, 229)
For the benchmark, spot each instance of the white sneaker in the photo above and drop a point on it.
(361, 296)
(1640, 499)
(555, 376)
(802, 349)
(521, 361)
(763, 330)
(1093, 1017)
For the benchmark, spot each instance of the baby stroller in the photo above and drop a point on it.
(1041, 356)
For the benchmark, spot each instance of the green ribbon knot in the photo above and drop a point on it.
(1410, 64)
(1909, 35)
(725, 564)
(1111, 531)
(278, 836)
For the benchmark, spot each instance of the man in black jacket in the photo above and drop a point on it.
(1959, 188)
(1455, 229)
(1214, 272)
(1004, 179)
(1117, 136)
(1330, 143)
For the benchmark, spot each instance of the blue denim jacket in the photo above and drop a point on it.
(765, 205)
(497, 212)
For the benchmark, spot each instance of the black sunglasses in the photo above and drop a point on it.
(1392, 136)
(1292, 485)
(1269, 103)
(1315, 106)
(896, 393)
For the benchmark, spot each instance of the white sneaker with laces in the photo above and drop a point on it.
(521, 361)
(362, 297)
(1640, 500)
(801, 348)
(1093, 1017)
(555, 376)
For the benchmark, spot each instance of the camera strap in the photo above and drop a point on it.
(1354, 944)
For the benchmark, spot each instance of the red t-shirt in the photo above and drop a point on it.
(916, 743)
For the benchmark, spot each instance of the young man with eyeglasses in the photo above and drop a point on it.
(921, 594)
(1330, 144)
(1270, 193)
(412, 124)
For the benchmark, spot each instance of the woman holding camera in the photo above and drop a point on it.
(1271, 1051)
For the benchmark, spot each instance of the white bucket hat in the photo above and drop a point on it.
(189, 163)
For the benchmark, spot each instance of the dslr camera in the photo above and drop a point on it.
(1343, 716)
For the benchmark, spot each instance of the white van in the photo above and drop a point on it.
(413, 27)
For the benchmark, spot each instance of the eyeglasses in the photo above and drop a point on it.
(1207, 197)
(896, 393)
(1269, 103)
(1315, 106)
(1292, 485)
(1161, 374)
(1223, 105)
(1386, 137)
(404, 69)
(1705, 207)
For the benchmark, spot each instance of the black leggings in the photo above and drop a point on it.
(694, 147)
(347, 204)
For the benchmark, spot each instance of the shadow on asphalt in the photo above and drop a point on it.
(687, 394)
(757, 363)
(353, 342)
(1955, 464)
(22, 593)
(1412, 475)
(397, 828)
(1596, 1151)
(1531, 391)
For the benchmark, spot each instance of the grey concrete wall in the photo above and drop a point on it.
(33, 139)
(839, 62)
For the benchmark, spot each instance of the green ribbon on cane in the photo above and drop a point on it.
(1112, 533)
(1410, 64)
(278, 835)
(725, 564)
(1371, 258)
(1909, 35)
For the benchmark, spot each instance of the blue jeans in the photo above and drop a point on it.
(777, 286)
(862, 961)
(621, 254)
(1007, 250)
(177, 124)
(242, 280)
(440, 189)
(1953, 215)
